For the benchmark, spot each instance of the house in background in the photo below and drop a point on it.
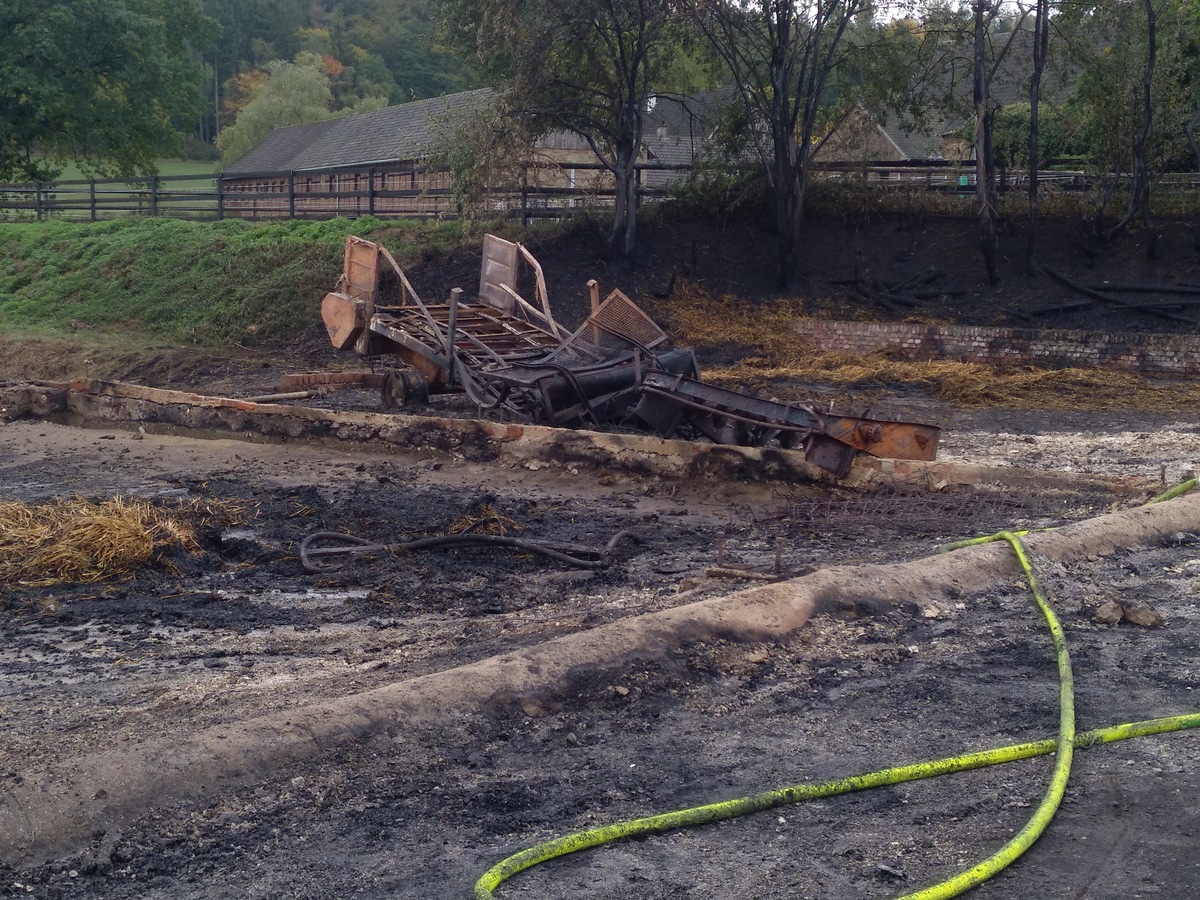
(866, 138)
(354, 165)
(946, 134)
(379, 162)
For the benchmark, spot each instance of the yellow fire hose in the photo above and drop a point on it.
(1063, 747)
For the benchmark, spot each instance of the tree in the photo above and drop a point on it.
(783, 54)
(583, 66)
(1183, 68)
(1139, 197)
(491, 150)
(990, 44)
(103, 82)
(1041, 51)
(1130, 113)
(294, 94)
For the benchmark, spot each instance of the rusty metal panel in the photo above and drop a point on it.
(360, 272)
(890, 440)
(830, 454)
(499, 271)
(344, 318)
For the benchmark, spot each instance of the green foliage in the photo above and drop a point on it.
(1010, 135)
(1108, 47)
(396, 36)
(187, 282)
(486, 152)
(104, 82)
(295, 94)
(582, 66)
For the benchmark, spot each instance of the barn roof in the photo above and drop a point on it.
(407, 131)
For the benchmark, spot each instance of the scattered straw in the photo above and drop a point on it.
(772, 352)
(85, 541)
(485, 519)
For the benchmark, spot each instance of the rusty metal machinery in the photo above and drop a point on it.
(730, 417)
(510, 356)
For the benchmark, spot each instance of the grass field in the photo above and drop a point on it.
(192, 283)
(165, 167)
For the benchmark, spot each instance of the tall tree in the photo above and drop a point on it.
(992, 37)
(1185, 72)
(1139, 197)
(1041, 51)
(294, 94)
(783, 54)
(104, 82)
(584, 66)
(1132, 114)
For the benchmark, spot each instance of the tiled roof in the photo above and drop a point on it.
(408, 131)
(679, 127)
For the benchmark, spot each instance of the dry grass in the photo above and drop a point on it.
(485, 519)
(85, 541)
(773, 353)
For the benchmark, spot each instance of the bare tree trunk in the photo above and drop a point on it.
(785, 194)
(623, 236)
(1041, 42)
(1139, 197)
(985, 171)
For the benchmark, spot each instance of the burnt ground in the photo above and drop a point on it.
(736, 256)
(240, 629)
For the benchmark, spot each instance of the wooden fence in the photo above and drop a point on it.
(548, 190)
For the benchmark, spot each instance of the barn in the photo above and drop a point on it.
(370, 163)
(379, 162)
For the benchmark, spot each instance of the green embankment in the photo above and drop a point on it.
(207, 284)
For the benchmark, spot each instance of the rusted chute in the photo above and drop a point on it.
(510, 356)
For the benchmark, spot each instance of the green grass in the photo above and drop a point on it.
(71, 171)
(198, 283)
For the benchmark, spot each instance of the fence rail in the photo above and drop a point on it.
(549, 190)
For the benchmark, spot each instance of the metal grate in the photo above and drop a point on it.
(618, 315)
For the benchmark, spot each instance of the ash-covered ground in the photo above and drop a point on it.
(241, 629)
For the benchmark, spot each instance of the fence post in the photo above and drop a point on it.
(92, 197)
(153, 196)
(524, 196)
(37, 199)
(220, 196)
(291, 195)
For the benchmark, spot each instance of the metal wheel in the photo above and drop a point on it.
(403, 386)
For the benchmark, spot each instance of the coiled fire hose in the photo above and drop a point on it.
(1062, 746)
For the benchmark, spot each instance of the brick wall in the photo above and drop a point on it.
(1149, 353)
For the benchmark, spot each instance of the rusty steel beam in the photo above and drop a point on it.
(889, 439)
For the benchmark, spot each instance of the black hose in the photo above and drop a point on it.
(580, 557)
(350, 545)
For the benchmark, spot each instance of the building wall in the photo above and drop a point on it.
(1148, 353)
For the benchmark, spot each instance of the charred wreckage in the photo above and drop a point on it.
(619, 368)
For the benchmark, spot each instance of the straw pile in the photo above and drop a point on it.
(484, 519)
(773, 352)
(84, 541)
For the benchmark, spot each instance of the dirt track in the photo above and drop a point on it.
(243, 631)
